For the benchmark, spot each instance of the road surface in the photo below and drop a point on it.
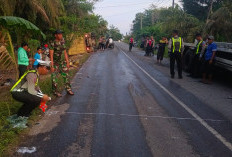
(126, 106)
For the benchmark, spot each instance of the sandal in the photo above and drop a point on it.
(57, 94)
(70, 92)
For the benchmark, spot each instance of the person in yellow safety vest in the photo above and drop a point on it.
(176, 48)
(199, 51)
(27, 91)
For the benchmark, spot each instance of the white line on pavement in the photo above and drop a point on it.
(132, 115)
(191, 112)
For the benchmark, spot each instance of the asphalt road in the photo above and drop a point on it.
(125, 107)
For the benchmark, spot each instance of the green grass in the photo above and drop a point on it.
(9, 137)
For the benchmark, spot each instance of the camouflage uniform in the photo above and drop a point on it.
(60, 65)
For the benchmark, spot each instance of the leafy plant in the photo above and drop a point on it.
(7, 56)
(33, 44)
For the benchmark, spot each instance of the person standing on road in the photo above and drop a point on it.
(176, 48)
(131, 43)
(59, 63)
(100, 43)
(161, 50)
(209, 60)
(153, 46)
(149, 46)
(145, 46)
(199, 51)
(103, 43)
(23, 60)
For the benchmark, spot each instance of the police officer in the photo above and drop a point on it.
(27, 91)
(199, 51)
(176, 47)
(59, 63)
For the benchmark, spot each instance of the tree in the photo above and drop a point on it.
(166, 20)
(114, 32)
(7, 24)
(220, 23)
(72, 16)
(41, 13)
(200, 8)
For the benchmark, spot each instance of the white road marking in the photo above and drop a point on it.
(191, 112)
(133, 115)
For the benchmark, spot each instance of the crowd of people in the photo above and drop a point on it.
(105, 43)
(150, 46)
(200, 62)
(26, 89)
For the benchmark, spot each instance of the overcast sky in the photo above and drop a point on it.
(121, 13)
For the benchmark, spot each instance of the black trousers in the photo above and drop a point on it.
(22, 69)
(30, 102)
(160, 53)
(148, 51)
(207, 68)
(130, 46)
(195, 66)
(176, 56)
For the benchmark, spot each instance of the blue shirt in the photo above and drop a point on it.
(209, 53)
(36, 57)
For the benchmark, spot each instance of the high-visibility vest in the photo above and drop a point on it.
(198, 46)
(22, 80)
(174, 41)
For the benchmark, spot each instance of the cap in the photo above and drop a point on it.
(211, 37)
(46, 45)
(58, 31)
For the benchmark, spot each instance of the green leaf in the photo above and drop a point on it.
(17, 22)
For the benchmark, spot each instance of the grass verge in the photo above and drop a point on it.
(9, 137)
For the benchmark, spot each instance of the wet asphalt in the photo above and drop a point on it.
(102, 119)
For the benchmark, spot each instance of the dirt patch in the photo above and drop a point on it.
(50, 120)
(164, 137)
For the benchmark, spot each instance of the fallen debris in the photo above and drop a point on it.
(18, 122)
(24, 150)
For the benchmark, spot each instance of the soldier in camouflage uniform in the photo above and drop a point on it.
(59, 63)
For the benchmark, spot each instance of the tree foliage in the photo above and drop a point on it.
(220, 22)
(20, 24)
(161, 22)
(72, 16)
(195, 17)
(114, 32)
(200, 8)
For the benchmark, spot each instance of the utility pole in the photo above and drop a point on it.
(173, 4)
(141, 22)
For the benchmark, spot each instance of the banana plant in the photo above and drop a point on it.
(9, 24)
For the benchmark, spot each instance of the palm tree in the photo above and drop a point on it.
(39, 12)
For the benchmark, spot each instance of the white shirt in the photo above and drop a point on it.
(110, 41)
